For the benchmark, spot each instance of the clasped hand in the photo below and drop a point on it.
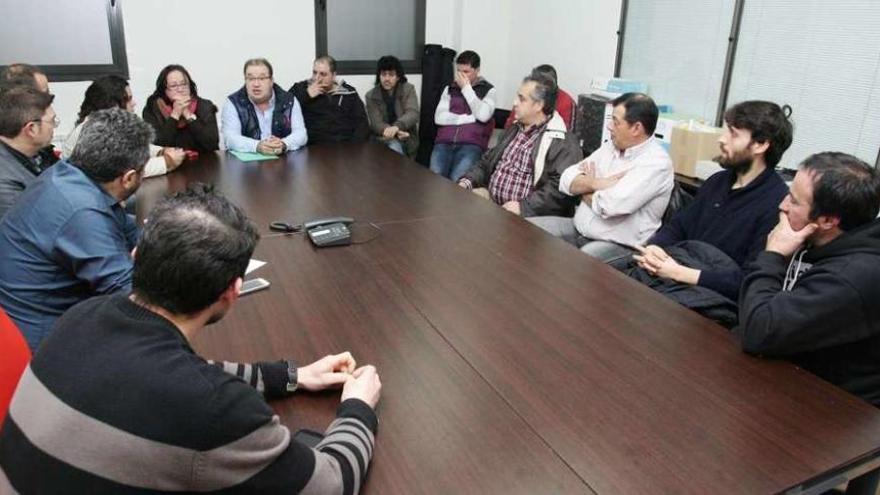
(336, 370)
(654, 260)
(272, 145)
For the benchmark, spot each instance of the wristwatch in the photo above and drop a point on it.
(191, 117)
(292, 379)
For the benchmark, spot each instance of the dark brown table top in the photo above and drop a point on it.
(510, 362)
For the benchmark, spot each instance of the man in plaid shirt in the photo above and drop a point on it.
(522, 172)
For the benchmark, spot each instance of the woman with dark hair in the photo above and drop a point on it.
(114, 92)
(180, 117)
(393, 108)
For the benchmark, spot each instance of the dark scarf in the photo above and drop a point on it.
(389, 99)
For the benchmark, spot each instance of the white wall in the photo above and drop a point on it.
(578, 37)
(212, 43)
(511, 36)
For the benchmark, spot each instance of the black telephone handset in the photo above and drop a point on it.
(330, 231)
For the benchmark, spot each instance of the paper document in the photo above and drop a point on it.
(247, 156)
(253, 265)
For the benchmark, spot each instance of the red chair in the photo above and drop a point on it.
(14, 357)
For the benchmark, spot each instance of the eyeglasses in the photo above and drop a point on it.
(55, 121)
(257, 79)
(178, 85)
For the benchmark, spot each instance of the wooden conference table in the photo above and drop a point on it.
(511, 362)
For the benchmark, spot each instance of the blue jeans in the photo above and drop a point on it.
(396, 146)
(454, 160)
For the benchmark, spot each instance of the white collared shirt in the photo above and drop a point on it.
(630, 211)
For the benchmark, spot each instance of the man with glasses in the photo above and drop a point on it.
(19, 74)
(27, 124)
(261, 117)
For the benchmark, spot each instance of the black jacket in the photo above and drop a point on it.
(829, 321)
(701, 256)
(337, 117)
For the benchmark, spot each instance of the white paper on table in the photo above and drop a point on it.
(253, 265)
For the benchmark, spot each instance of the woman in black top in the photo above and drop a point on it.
(180, 117)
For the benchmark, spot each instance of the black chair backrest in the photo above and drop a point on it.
(678, 201)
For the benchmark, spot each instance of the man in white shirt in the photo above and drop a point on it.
(624, 186)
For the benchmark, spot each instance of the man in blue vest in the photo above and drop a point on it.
(261, 116)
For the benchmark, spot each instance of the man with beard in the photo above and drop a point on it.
(117, 401)
(68, 238)
(735, 208)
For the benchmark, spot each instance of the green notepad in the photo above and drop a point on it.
(247, 156)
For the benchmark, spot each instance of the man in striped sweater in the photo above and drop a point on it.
(116, 401)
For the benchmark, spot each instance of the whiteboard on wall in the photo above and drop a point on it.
(70, 40)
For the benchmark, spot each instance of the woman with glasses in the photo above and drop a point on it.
(114, 92)
(180, 117)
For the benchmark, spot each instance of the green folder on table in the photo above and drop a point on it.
(248, 156)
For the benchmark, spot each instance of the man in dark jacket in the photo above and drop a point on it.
(27, 124)
(812, 294)
(522, 172)
(19, 74)
(333, 110)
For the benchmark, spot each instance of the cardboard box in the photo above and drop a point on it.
(666, 122)
(691, 143)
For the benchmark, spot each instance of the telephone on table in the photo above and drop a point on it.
(331, 231)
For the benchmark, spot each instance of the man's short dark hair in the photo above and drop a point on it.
(545, 91)
(20, 105)
(112, 142)
(639, 108)
(257, 61)
(195, 244)
(768, 123)
(547, 70)
(19, 74)
(843, 187)
(387, 63)
(327, 59)
(104, 92)
(468, 57)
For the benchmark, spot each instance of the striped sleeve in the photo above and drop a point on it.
(343, 456)
(269, 378)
